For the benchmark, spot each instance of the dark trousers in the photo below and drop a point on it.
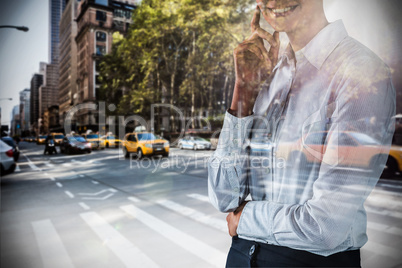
(244, 253)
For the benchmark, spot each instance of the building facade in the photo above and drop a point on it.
(25, 97)
(68, 60)
(55, 10)
(97, 20)
(15, 121)
(36, 82)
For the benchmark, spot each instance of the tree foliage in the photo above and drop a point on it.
(177, 52)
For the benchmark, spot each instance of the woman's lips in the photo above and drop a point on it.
(282, 12)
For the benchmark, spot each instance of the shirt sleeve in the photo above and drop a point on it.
(227, 167)
(324, 221)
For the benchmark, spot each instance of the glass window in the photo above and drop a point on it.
(316, 138)
(102, 2)
(101, 36)
(100, 15)
(100, 50)
(146, 136)
(364, 139)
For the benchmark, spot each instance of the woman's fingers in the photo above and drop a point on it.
(253, 48)
(274, 50)
(255, 21)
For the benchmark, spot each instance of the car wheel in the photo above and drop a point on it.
(126, 153)
(195, 147)
(391, 167)
(166, 155)
(181, 146)
(107, 145)
(140, 154)
(67, 150)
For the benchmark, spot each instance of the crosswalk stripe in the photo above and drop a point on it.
(381, 249)
(129, 254)
(394, 214)
(199, 197)
(195, 215)
(207, 253)
(51, 248)
(17, 168)
(385, 229)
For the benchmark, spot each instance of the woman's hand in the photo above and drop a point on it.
(253, 65)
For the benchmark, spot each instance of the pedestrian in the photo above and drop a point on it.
(284, 169)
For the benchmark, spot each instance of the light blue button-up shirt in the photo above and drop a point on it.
(312, 151)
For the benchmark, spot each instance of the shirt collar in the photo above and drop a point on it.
(322, 45)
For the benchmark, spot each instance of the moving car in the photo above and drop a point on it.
(194, 143)
(75, 144)
(57, 137)
(41, 139)
(7, 164)
(310, 149)
(144, 144)
(10, 142)
(110, 141)
(95, 140)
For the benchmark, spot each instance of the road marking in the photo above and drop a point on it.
(98, 193)
(67, 164)
(51, 248)
(17, 169)
(209, 254)
(69, 194)
(95, 182)
(81, 175)
(199, 197)
(128, 253)
(97, 198)
(59, 184)
(382, 250)
(384, 212)
(84, 206)
(195, 215)
(134, 199)
(48, 164)
(31, 165)
(384, 228)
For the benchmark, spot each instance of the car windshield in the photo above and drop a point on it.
(58, 136)
(111, 137)
(42, 137)
(92, 136)
(364, 139)
(199, 139)
(9, 142)
(146, 137)
(77, 138)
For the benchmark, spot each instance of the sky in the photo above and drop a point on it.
(375, 23)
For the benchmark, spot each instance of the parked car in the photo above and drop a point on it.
(16, 151)
(110, 141)
(95, 140)
(7, 163)
(41, 139)
(57, 137)
(194, 143)
(144, 144)
(75, 144)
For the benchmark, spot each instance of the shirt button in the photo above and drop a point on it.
(236, 190)
(237, 126)
(252, 249)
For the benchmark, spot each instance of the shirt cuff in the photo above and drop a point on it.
(234, 134)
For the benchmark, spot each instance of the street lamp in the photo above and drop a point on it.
(19, 28)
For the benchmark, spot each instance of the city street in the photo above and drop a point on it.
(102, 210)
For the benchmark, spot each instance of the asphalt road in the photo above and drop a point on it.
(101, 210)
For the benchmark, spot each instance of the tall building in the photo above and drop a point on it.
(15, 121)
(55, 10)
(97, 20)
(48, 92)
(68, 59)
(36, 82)
(25, 109)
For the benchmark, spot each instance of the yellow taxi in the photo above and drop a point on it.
(310, 149)
(110, 140)
(41, 139)
(57, 137)
(95, 140)
(144, 144)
